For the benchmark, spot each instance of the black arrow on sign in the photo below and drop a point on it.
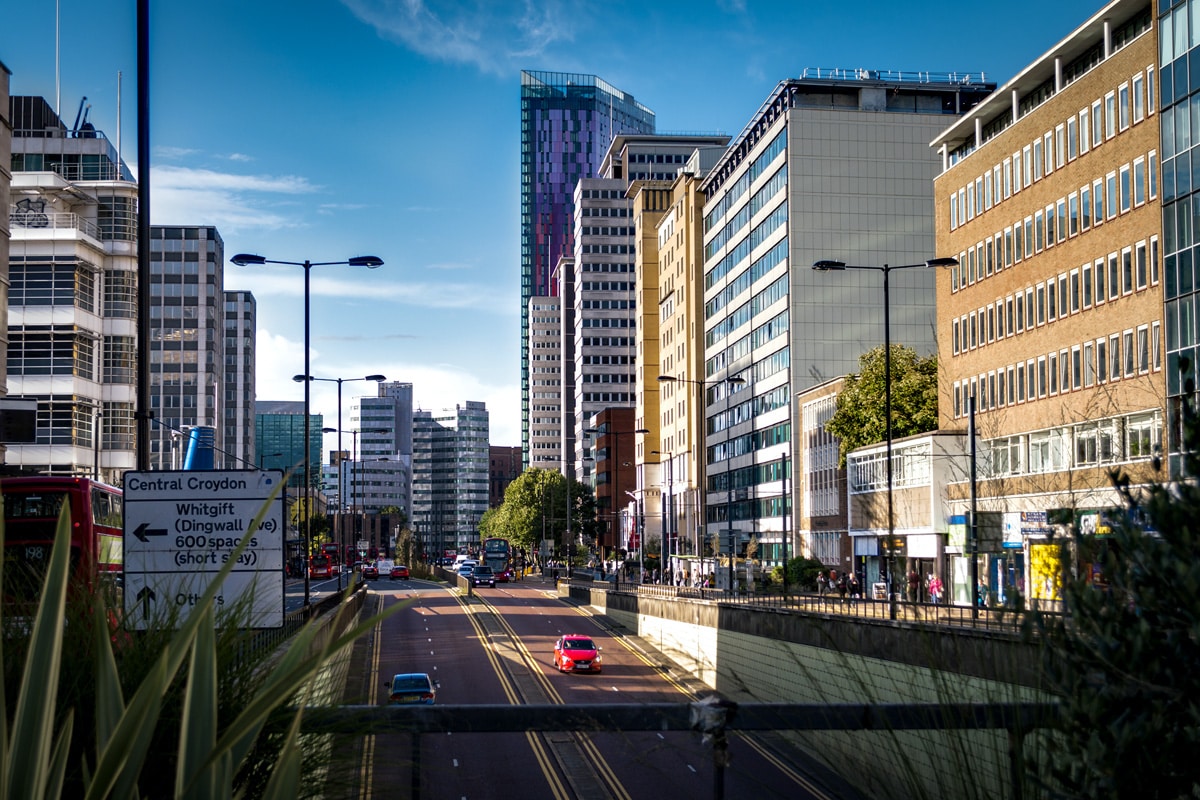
(144, 530)
(144, 596)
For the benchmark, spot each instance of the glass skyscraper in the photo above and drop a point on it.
(1179, 99)
(568, 122)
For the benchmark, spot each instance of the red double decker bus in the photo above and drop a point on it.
(31, 509)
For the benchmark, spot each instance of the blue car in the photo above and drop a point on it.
(411, 688)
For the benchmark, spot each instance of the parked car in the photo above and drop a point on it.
(369, 571)
(412, 688)
(576, 653)
(399, 573)
(483, 574)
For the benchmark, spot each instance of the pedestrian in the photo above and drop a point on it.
(914, 586)
(821, 582)
(935, 589)
(854, 587)
(842, 586)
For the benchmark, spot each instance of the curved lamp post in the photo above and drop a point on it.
(838, 266)
(370, 262)
(339, 382)
(732, 380)
(605, 431)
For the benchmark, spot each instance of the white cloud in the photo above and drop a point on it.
(232, 202)
(239, 157)
(435, 387)
(264, 281)
(495, 37)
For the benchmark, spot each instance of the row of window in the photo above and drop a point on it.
(1120, 355)
(591, 266)
(1117, 111)
(1105, 198)
(721, 206)
(605, 231)
(1121, 274)
(1132, 437)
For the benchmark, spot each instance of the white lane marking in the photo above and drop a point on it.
(689, 766)
(455, 762)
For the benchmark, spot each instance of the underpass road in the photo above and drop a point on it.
(436, 633)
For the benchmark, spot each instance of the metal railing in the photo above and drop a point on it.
(54, 220)
(985, 617)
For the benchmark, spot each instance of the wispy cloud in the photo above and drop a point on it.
(495, 37)
(173, 152)
(239, 157)
(233, 202)
(263, 281)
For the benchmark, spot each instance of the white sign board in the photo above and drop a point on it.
(181, 528)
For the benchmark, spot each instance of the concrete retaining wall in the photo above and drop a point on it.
(768, 655)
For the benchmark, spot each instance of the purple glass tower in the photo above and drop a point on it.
(568, 122)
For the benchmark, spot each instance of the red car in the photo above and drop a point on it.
(576, 653)
(369, 571)
(399, 572)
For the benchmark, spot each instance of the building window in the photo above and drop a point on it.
(1097, 124)
(1143, 349)
(1075, 298)
(1089, 364)
(1130, 355)
(1085, 207)
(1072, 139)
(1064, 371)
(1041, 376)
(1098, 271)
(1052, 361)
(1156, 346)
(1102, 360)
(1087, 285)
(1114, 277)
(1110, 115)
(1051, 301)
(1041, 304)
(1110, 195)
(1139, 181)
(1127, 271)
(1084, 130)
(1125, 189)
(1123, 105)
(1114, 357)
(1098, 200)
(1139, 100)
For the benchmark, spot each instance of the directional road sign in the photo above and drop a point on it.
(181, 528)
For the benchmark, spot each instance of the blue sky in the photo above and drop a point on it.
(325, 129)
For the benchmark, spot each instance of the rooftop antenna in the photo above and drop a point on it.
(57, 70)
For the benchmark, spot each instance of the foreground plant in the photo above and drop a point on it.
(34, 749)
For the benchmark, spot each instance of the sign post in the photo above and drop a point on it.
(181, 528)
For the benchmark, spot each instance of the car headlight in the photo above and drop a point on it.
(596, 659)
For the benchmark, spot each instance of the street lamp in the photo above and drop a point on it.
(672, 533)
(354, 470)
(732, 380)
(615, 487)
(264, 456)
(339, 382)
(370, 262)
(838, 266)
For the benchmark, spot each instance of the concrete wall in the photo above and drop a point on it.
(762, 655)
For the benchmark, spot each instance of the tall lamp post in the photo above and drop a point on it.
(370, 262)
(614, 489)
(670, 511)
(732, 380)
(339, 382)
(838, 266)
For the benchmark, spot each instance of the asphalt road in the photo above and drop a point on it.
(497, 648)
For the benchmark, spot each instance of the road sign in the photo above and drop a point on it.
(181, 528)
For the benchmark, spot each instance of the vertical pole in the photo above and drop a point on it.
(142, 415)
(973, 524)
(729, 482)
(341, 540)
(887, 411)
(97, 418)
(307, 438)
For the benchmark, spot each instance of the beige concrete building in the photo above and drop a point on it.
(680, 310)
(1052, 321)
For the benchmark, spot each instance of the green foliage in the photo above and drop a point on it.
(860, 418)
(1124, 664)
(167, 713)
(802, 572)
(535, 504)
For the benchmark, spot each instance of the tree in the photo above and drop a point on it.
(860, 419)
(535, 505)
(1122, 661)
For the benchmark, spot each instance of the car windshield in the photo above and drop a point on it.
(482, 570)
(410, 683)
(579, 644)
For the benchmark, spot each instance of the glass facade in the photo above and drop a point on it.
(1179, 99)
(450, 475)
(568, 122)
(279, 440)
